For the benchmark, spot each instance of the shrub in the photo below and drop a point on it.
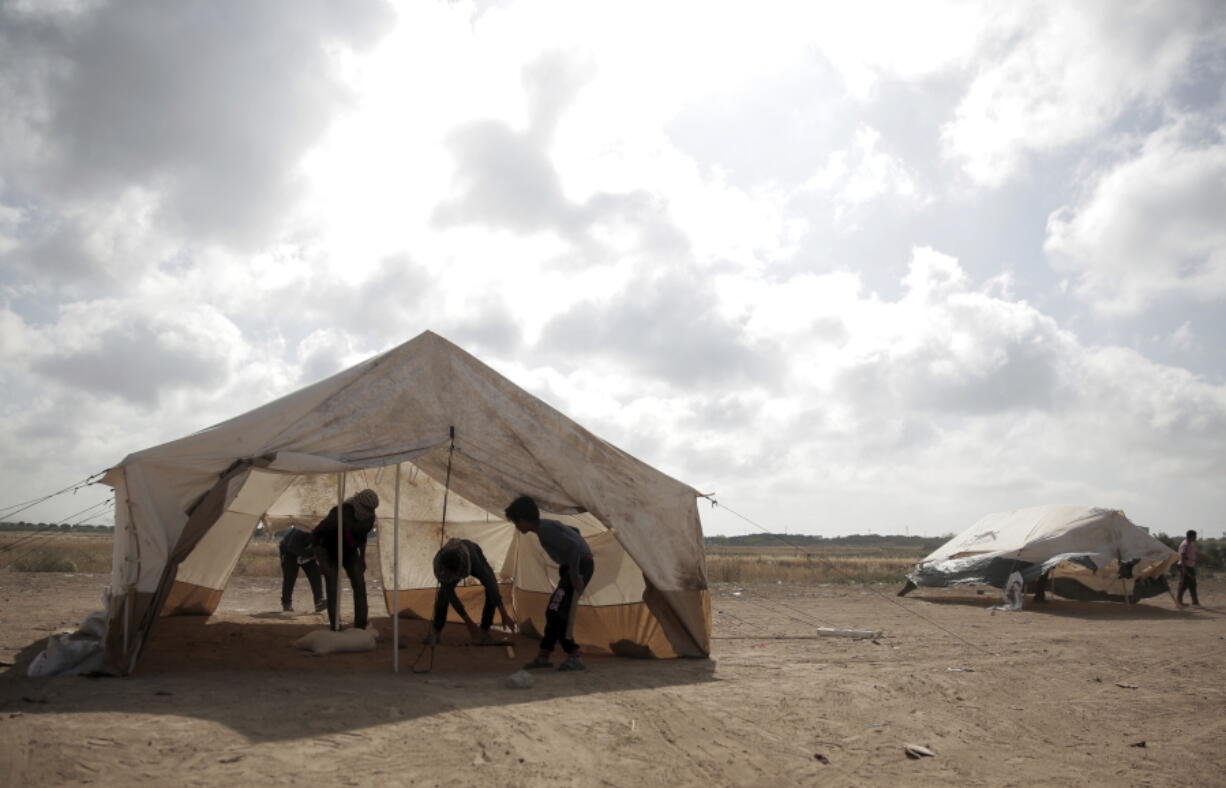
(44, 562)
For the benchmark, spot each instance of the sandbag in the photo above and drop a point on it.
(325, 641)
(72, 654)
(67, 655)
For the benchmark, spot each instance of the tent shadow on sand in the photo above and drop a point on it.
(1102, 611)
(247, 676)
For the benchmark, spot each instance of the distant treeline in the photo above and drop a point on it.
(928, 543)
(80, 529)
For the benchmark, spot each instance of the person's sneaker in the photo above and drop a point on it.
(321, 606)
(286, 607)
(538, 663)
(572, 663)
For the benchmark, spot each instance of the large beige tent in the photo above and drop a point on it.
(1085, 553)
(457, 435)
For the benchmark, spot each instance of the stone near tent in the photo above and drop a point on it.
(520, 679)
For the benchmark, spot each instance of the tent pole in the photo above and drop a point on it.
(340, 544)
(447, 489)
(396, 575)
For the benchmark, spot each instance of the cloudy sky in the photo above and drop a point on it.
(878, 266)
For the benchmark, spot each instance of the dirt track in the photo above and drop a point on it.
(1036, 697)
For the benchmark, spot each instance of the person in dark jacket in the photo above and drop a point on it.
(1187, 568)
(454, 561)
(359, 520)
(297, 550)
(566, 546)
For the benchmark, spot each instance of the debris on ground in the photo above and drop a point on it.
(918, 751)
(821, 758)
(520, 679)
(855, 634)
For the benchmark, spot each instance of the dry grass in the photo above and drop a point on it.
(825, 565)
(54, 552)
(91, 553)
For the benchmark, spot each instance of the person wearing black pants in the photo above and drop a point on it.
(566, 546)
(558, 613)
(1187, 568)
(359, 520)
(454, 561)
(296, 550)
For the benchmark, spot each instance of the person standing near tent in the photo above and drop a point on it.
(297, 551)
(359, 520)
(454, 561)
(566, 546)
(1187, 568)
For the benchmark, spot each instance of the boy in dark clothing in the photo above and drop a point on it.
(298, 550)
(564, 544)
(359, 520)
(454, 561)
(1187, 568)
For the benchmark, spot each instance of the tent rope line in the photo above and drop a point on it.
(31, 543)
(807, 619)
(839, 571)
(84, 514)
(17, 508)
(429, 664)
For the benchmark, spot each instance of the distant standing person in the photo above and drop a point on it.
(297, 550)
(454, 561)
(565, 545)
(1187, 568)
(359, 520)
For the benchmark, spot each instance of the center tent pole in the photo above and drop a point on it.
(396, 575)
(340, 544)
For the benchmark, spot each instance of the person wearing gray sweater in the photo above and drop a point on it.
(564, 544)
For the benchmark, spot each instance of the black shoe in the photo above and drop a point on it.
(286, 607)
(321, 605)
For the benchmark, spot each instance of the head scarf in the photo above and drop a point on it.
(365, 502)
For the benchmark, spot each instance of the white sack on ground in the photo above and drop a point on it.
(75, 654)
(325, 641)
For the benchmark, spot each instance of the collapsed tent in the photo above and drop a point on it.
(1083, 553)
(447, 443)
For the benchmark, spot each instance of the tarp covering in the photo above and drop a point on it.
(1086, 553)
(187, 508)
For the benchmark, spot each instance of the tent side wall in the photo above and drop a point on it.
(613, 616)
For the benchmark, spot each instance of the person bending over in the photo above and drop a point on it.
(454, 561)
(297, 550)
(567, 548)
(359, 520)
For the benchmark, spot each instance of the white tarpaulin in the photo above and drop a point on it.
(1084, 553)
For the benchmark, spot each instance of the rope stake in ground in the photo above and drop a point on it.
(429, 665)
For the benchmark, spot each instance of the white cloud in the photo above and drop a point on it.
(1067, 71)
(861, 174)
(1150, 228)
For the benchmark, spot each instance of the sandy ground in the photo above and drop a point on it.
(1068, 693)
